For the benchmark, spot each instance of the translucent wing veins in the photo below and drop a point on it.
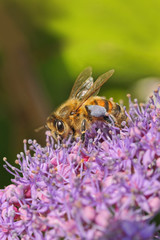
(82, 84)
(96, 86)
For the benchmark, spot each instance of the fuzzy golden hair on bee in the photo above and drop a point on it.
(84, 107)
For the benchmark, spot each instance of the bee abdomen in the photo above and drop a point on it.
(119, 114)
(116, 109)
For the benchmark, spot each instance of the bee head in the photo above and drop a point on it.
(57, 127)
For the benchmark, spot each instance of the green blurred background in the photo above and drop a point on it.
(44, 45)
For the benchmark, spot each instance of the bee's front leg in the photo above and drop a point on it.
(83, 130)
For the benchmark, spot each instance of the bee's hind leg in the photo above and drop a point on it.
(110, 119)
(83, 130)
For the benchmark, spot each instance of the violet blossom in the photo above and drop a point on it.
(105, 188)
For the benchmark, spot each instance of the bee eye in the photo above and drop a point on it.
(60, 126)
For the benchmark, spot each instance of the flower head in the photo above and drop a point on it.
(107, 188)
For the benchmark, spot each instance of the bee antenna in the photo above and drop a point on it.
(39, 129)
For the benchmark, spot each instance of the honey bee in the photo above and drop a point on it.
(83, 108)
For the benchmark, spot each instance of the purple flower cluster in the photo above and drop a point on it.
(107, 188)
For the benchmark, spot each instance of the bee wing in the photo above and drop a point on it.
(82, 84)
(96, 87)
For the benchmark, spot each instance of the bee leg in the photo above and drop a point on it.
(83, 130)
(109, 119)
